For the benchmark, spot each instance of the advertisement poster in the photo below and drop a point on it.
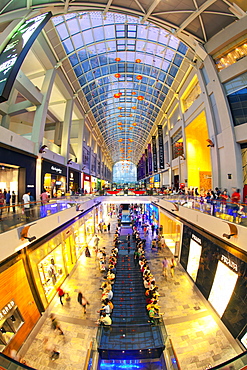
(161, 147)
(150, 165)
(155, 164)
(223, 286)
(194, 258)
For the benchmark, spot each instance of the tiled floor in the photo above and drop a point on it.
(197, 335)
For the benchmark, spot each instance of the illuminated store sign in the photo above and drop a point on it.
(56, 169)
(194, 256)
(228, 262)
(4, 311)
(222, 288)
(16, 50)
(198, 240)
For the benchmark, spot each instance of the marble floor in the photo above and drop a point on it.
(198, 336)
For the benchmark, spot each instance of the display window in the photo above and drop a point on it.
(172, 231)
(89, 225)
(69, 250)
(222, 288)
(194, 258)
(80, 240)
(10, 322)
(51, 272)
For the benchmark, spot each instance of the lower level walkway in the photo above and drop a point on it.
(197, 334)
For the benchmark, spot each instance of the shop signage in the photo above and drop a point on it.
(86, 178)
(155, 164)
(228, 262)
(198, 240)
(56, 169)
(71, 176)
(30, 186)
(161, 147)
(4, 311)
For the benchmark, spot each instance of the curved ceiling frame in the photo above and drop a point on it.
(149, 91)
(65, 6)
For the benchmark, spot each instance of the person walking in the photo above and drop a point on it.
(163, 242)
(26, 201)
(109, 227)
(8, 197)
(82, 301)
(165, 265)
(13, 201)
(44, 197)
(61, 294)
(173, 264)
(55, 324)
(1, 203)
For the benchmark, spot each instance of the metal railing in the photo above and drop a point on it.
(8, 363)
(233, 212)
(18, 214)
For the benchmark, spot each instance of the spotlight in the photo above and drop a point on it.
(70, 161)
(228, 236)
(210, 143)
(43, 149)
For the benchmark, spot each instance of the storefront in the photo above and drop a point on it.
(157, 181)
(17, 316)
(89, 225)
(171, 230)
(219, 271)
(53, 179)
(152, 214)
(17, 172)
(87, 183)
(93, 184)
(98, 184)
(74, 181)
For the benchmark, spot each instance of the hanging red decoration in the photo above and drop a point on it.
(140, 97)
(117, 75)
(117, 95)
(134, 107)
(133, 93)
(139, 77)
(138, 60)
(117, 59)
(120, 108)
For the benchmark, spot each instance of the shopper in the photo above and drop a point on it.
(13, 201)
(44, 197)
(55, 324)
(8, 197)
(82, 301)
(26, 201)
(165, 265)
(61, 294)
(1, 203)
(109, 227)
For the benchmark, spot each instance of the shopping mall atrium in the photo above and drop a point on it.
(129, 116)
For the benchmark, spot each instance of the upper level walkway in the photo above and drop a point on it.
(15, 216)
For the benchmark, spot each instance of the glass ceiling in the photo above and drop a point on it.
(125, 70)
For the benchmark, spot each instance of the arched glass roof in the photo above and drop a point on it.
(125, 70)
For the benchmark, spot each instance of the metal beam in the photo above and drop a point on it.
(27, 89)
(107, 6)
(150, 10)
(195, 14)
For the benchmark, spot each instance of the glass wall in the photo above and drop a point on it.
(124, 172)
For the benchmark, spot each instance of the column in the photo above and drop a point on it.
(66, 130)
(41, 111)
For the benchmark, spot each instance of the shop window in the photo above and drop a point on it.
(238, 105)
(51, 271)
(10, 322)
(231, 56)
